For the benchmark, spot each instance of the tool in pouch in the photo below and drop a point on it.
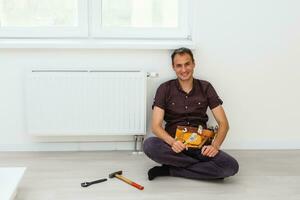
(194, 137)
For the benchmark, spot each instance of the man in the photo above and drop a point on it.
(184, 101)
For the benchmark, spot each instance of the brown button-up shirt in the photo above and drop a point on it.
(185, 109)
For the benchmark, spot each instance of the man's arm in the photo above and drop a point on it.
(220, 117)
(158, 130)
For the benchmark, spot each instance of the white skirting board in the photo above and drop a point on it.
(71, 146)
(129, 146)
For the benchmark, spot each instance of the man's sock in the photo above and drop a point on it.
(158, 171)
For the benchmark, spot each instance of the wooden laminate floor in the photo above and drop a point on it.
(57, 175)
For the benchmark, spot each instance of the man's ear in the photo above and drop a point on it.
(194, 65)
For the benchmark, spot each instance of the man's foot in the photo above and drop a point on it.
(158, 171)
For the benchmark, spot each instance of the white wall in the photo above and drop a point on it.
(249, 50)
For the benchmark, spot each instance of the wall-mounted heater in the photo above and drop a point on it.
(85, 102)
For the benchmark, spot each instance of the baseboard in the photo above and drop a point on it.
(262, 144)
(129, 145)
(82, 146)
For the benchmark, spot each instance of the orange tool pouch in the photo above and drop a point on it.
(192, 138)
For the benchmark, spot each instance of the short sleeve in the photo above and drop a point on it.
(212, 97)
(160, 97)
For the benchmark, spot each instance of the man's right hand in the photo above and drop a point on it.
(178, 146)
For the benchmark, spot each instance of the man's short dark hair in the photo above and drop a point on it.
(181, 51)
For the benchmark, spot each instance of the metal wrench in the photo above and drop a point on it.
(86, 184)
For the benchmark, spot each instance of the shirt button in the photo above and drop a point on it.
(186, 97)
(188, 123)
(199, 103)
(186, 107)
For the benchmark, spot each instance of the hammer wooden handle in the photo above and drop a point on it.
(137, 186)
(126, 180)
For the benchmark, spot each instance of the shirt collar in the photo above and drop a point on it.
(180, 89)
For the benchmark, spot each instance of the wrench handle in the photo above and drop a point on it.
(98, 181)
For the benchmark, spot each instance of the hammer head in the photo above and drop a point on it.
(112, 175)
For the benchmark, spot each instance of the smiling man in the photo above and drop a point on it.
(184, 102)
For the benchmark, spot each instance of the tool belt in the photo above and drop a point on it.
(194, 137)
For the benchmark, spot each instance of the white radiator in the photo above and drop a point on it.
(85, 102)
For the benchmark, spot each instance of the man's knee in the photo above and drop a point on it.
(151, 146)
(229, 165)
(233, 167)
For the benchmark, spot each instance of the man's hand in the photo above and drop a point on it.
(178, 146)
(209, 150)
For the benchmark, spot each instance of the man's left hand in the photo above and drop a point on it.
(209, 151)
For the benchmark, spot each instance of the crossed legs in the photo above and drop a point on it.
(190, 163)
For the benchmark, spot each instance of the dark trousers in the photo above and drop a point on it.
(190, 163)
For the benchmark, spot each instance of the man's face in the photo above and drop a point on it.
(183, 66)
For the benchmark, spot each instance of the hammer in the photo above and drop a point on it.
(118, 174)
